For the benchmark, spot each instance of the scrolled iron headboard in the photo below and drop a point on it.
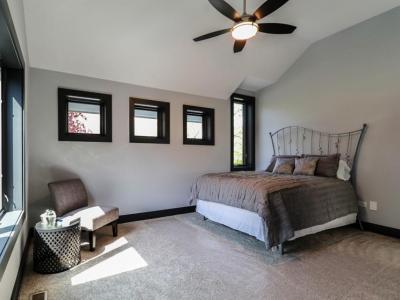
(297, 140)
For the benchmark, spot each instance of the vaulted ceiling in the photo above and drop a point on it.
(149, 42)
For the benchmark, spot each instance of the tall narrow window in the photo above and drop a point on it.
(242, 132)
(149, 121)
(84, 116)
(12, 202)
(198, 125)
(12, 139)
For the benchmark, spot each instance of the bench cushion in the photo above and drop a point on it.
(94, 217)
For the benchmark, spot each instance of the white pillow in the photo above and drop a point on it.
(343, 171)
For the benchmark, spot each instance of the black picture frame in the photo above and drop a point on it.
(208, 123)
(105, 102)
(163, 120)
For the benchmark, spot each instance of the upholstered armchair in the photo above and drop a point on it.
(70, 200)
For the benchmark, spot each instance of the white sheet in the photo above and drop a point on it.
(252, 224)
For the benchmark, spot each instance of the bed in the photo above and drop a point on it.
(276, 208)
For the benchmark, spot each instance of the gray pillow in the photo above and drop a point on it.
(272, 162)
(284, 166)
(327, 165)
(305, 166)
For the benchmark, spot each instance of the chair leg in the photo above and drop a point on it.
(114, 228)
(360, 224)
(281, 249)
(92, 240)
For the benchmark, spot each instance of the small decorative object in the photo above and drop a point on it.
(48, 217)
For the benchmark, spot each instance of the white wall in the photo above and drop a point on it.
(10, 273)
(134, 177)
(340, 83)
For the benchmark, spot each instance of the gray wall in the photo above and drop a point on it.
(341, 82)
(134, 177)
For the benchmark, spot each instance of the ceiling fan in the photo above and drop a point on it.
(246, 26)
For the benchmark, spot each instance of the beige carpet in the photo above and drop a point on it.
(184, 257)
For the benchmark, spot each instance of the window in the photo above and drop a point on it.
(84, 116)
(242, 132)
(148, 121)
(12, 168)
(198, 125)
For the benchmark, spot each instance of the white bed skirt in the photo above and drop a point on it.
(252, 224)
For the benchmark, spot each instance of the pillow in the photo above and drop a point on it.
(305, 166)
(284, 166)
(327, 165)
(272, 162)
(343, 171)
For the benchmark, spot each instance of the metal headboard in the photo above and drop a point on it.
(296, 140)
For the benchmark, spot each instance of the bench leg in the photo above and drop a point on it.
(92, 240)
(114, 228)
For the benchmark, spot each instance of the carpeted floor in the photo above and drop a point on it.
(184, 257)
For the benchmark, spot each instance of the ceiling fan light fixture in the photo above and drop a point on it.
(244, 30)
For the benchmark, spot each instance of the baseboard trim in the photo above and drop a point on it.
(18, 279)
(156, 214)
(389, 231)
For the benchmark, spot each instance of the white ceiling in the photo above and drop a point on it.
(150, 43)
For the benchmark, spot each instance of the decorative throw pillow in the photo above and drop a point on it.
(284, 166)
(272, 162)
(305, 166)
(344, 171)
(327, 165)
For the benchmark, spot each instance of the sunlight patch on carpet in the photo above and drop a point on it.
(124, 261)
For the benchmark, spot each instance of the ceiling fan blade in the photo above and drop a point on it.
(276, 28)
(225, 9)
(238, 46)
(267, 8)
(211, 35)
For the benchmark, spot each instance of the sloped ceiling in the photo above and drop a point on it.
(149, 42)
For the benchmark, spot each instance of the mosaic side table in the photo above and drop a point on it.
(56, 248)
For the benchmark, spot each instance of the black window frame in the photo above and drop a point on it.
(105, 103)
(248, 132)
(208, 125)
(163, 120)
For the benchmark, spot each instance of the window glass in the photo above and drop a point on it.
(12, 141)
(238, 141)
(83, 118)
(146, 122)
(194, 127)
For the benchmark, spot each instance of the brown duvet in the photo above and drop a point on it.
(286, 203)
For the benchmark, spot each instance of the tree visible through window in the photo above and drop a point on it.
(238, 134)
(83, 118)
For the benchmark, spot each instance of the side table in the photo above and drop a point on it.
(56, 248)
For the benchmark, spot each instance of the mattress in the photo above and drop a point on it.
(252, 224)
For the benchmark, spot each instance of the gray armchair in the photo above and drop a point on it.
(70, 200)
